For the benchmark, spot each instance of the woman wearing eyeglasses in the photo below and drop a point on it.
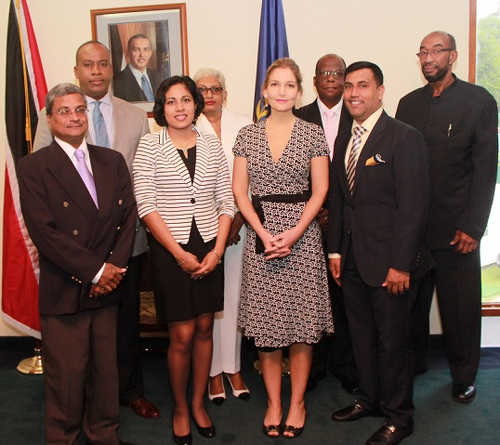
(217, 120)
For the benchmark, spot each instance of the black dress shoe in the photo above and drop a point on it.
(463, 393)
(352, 412)
(390, 435)
(182, 440)
(205, 431)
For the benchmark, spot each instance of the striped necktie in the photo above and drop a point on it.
(353, 155)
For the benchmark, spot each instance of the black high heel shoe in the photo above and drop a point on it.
(182, 440)
(205, 431)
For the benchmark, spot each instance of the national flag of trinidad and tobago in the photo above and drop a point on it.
(25, 95)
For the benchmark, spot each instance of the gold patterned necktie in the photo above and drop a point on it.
(353, 155)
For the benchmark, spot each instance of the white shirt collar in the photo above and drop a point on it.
(70, 150)
(138, 74)
(106, 99)
(369, 123)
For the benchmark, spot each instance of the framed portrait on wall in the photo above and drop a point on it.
(147, 44)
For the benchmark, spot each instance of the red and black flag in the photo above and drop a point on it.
(25, 94)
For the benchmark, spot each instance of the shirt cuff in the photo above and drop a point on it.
(98, 275)
(334, 255)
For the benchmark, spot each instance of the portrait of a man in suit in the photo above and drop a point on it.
(137, 82)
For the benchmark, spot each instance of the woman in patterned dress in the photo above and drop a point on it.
(284, 295)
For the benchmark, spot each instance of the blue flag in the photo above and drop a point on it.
(272, 45)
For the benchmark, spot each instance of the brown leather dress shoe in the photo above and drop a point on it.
(389, 435)
(144, 408)
(352, 412)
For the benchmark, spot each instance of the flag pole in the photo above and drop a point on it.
(31, 365)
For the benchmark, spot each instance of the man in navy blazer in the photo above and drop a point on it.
(125, 125)
(378, 206)
(330, 113)
(83, 225)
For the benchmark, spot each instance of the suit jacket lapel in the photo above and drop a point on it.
(341, 144)
(66, 174)
(101, 173)
(175, 160)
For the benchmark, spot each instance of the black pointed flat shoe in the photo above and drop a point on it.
(205, 431)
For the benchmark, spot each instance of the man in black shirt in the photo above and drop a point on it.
(459, 122)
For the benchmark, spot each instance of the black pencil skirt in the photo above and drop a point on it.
(178, 297)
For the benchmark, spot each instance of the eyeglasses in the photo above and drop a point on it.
(433, 52)
(213, 90)
(336, 74)
(66, 111)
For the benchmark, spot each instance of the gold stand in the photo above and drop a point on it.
(32, 365)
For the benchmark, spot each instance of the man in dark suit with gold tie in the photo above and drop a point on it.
(330, 113)
(79, 208)
(377, 210)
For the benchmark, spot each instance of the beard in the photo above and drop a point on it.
(439, 75)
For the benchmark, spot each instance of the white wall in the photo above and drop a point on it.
(224, 34)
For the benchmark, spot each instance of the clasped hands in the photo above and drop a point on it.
(279, 246)
(189, 263)
(109, 281)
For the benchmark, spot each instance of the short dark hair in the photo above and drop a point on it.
(377, 72)
(61, 89)
(135, 37)
(89, 42)
(159, 106)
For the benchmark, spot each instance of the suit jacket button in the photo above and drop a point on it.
(65, 203)
(193, 200)
(75, 232)
(120, 202)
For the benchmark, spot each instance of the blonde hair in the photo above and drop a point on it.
(284, 62)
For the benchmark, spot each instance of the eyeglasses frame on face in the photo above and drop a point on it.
(214, 90)
(66, 111)
(336, 74)
(433, 52)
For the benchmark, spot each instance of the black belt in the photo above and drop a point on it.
(257, 201)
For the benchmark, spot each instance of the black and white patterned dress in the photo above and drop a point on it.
(284, 300)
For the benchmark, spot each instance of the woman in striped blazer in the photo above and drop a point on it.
(183, 192)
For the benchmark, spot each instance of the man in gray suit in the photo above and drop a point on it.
(119, 125)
